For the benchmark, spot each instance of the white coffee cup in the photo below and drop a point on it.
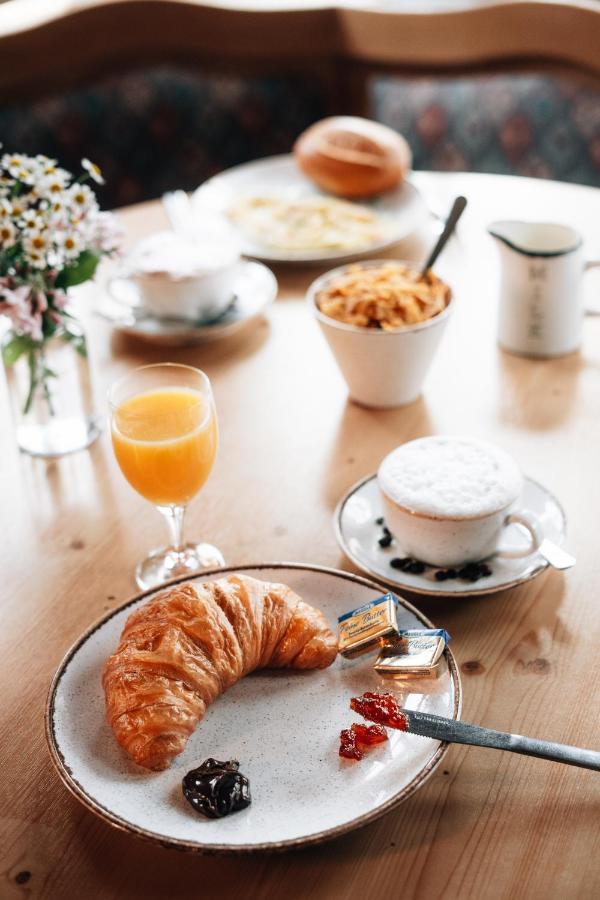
(382, 369)
(448, 500)
(183, 279)
(541, 297)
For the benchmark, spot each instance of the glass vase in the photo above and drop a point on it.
(51, 395)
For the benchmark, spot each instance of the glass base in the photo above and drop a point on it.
(163, 564)
(57, 437)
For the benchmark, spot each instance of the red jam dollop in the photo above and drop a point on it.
(381, 708)
(355, 740)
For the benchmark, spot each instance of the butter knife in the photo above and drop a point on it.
(458, 732)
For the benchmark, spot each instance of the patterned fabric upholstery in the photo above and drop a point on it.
(166, 127)
(521, 124)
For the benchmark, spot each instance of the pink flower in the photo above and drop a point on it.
(59, 298)
(40, 303)
(17, 304)
(108, 232)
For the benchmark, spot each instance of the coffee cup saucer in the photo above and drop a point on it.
(254, 289)
(358, 534)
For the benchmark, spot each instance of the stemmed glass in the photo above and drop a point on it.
(164, 435)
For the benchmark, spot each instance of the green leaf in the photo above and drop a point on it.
(16, 347)
(77, 340)
(82, 270)
(49, 327)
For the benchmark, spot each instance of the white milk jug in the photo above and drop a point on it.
(541, 303)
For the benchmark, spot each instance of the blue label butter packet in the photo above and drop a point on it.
(369, 626)
(413, 652)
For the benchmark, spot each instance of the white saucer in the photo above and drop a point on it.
(254, 290)
(358, 535)
(402, 211)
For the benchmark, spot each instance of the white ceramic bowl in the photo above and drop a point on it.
(381, 368)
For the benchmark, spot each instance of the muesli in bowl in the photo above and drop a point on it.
(383, 321)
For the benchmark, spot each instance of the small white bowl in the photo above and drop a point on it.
(382, 369)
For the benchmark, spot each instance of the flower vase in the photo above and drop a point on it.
(50, 389)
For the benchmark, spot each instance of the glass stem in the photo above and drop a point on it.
(174, 516)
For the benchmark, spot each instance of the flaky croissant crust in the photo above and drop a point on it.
(187, 645)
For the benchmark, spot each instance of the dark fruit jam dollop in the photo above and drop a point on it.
(381, 708)
(355, 740)
(216, 789)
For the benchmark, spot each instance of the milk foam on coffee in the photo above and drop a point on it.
(450, 477)
(169, 255)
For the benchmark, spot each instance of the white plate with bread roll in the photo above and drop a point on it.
(344, 192)
(155, 688)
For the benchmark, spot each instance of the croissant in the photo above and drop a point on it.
(187, 645)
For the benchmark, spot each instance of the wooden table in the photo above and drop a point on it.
(487, 824)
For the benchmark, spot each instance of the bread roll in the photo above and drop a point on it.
(353, 157)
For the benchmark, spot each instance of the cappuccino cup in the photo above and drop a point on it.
(183, 279)
(448, 500)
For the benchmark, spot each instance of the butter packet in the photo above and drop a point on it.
(368, 627)
(414, 652)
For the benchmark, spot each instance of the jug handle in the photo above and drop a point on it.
(587, 266)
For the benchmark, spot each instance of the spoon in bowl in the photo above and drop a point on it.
(458, 207)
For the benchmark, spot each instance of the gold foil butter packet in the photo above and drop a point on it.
(368, 627)
(414, 652)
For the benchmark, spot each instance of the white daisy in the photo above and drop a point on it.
(36, 260)
(93, 170)
(36, 245)
(81, 199)
(22, 168)
(31, 220)
(47, 165)
(57, 210)
(51, 184)
(8, 234)
(13, 162)
(20, 204)
(70, 244)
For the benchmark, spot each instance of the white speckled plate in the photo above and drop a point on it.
(401, 211)
(283, 726)
(358, 534)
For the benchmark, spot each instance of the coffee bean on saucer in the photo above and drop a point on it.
(380, 520)
(441, 575)
(385, 541)
(416, 567)
(471, 572)
(485, 570)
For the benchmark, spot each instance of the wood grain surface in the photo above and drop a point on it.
(487, 824)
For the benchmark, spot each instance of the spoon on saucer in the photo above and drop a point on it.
(458, 207)
(555, 556)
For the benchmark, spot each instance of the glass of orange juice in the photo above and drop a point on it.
(164, 435)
